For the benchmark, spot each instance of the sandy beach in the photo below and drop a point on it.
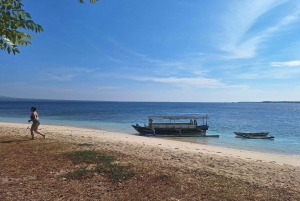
(256, 168)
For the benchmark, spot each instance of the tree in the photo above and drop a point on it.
(91, 1)
(13, 20)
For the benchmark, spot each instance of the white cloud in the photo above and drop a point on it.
(241, 16)
(195, 82)
(268, 74)
(287, 63)
(61, 78)
(112, 59)
(200, 72)
(108, 87)
(143, 58)
(81, 69)
(63, 73)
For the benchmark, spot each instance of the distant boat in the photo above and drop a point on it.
(258, 137)
(174, 126)
(260, 134)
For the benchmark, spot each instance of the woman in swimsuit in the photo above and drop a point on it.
(35, 123)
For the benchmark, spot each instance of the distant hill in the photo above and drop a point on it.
(272, 102)
(7, 98)
(281, 101)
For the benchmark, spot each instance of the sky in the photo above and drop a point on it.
(150, 50)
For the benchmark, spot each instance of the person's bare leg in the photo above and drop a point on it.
(31, 131)
(36, 130)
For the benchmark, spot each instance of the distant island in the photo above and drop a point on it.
(271, 102)
(7, 98)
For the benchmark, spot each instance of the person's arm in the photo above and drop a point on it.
(30, 118)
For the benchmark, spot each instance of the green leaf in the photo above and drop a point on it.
(13, 19)
(91, 1)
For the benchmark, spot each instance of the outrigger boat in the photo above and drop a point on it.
(260, 134)
(174, 126)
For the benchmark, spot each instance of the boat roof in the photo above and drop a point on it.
(178, 117)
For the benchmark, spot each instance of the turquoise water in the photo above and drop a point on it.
(282, 120)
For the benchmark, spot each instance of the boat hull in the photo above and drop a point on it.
(258, 137)
(197, 131)
(260, 134)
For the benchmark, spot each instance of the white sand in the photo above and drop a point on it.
(254, 167)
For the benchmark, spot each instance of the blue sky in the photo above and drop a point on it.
(171, 50)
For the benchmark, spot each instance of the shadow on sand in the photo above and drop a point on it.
(16, 141)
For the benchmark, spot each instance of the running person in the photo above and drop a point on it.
(35, 123)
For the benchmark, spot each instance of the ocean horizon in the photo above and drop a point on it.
(281, 119)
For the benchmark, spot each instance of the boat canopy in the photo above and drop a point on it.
(178, 117)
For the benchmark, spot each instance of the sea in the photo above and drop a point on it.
(282, 120)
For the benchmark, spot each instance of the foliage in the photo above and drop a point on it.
(12, 20)
(91, 1)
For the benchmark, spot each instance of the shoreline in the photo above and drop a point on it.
(266, 170)
(120, 131)
(167, 143)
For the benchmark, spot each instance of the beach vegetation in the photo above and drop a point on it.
(102, 164)
(79, 173)
(56, 170)
(85, 144)
(86, 156)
